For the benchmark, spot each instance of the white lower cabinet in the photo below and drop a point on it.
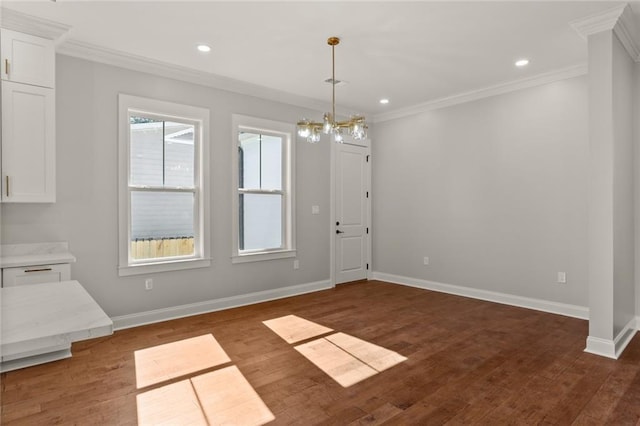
(35, 274)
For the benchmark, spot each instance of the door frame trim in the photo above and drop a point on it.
(332, 207)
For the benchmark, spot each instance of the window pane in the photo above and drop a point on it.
(260, 221)
(161, 224)
(260, 161)
(249, 161)
(146, 151)
(271, 171)
(179, 155)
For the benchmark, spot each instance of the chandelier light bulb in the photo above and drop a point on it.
(327, 123)
(337, 136)
(314, 137)
(304, 131)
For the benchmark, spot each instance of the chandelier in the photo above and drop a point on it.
(356, 126)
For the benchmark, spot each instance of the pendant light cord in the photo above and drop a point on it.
(333, 83)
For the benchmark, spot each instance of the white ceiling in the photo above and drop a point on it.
(409, 52)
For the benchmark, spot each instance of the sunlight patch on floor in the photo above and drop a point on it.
(294, 329)
(174, 404)
(346, 359)
(168, 361)
(338, 364)
(227, 398)
(375, 356)
(222, 397)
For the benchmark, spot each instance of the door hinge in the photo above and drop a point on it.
(367, 158)
(367, 194)
(367, 230)
(367, 266)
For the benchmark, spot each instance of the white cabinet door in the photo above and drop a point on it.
(28, 143)
(36, 274)
(27, 59)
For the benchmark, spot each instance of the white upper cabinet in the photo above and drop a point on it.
(28, 144)
(27, 59)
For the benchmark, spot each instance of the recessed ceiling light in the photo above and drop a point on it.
(384, 101)
(204, 48)
(522, 63)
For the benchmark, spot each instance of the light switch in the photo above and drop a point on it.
(315, 209)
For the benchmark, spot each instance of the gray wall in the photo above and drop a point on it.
(493, 191)
(624, 253)
(636, 169)
(85, 213)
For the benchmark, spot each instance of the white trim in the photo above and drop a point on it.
(258, 257)
(624, 337)
(627, 32)
(613, 348)
(287, 132)
(175, 312)
(498, 89)
(165, 266)
(620, 20)
(565, 309)
(597, 22)
(29, 24)
(601, 347)
(202, 221)
(117, 58)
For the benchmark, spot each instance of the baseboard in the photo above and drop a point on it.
(624, 337)
(602, 347)
(573, 311)
(613, 348)
(175, 312)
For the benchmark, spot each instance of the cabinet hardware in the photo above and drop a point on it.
(38, 270)
(6, 66)
(7, 184)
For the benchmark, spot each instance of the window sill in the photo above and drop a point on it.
(259, 257)
(166, 266)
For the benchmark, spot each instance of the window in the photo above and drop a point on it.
(263, 190)
(163, 212)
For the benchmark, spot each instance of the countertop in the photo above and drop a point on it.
(21, 255)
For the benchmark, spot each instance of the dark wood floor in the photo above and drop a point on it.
(469, 362)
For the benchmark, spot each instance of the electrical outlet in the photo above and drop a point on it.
(296, 264)
(425, 260)
(148, 284)
(562, 277)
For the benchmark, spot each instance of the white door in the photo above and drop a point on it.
(352, 216)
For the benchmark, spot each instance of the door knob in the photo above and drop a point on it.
(337, 223)
(339, 231)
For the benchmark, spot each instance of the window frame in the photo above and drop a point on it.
(129, 105)
(243, 123)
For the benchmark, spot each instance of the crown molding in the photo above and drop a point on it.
(628, 34)
(601, 21)
(620, 20)
(18, 21)
(486, 92)
(120, 59)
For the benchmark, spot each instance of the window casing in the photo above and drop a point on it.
(263, 190)
(163, 203)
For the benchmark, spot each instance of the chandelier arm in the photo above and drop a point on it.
(348, 123)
